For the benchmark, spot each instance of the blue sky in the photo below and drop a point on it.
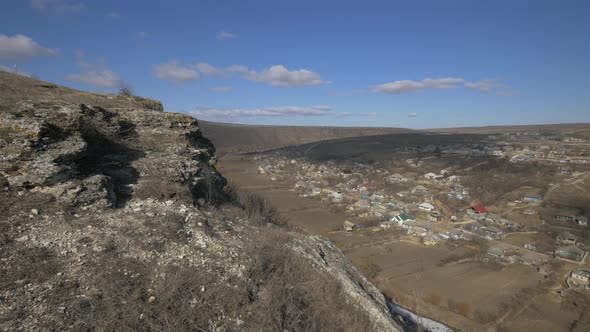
(417, 64)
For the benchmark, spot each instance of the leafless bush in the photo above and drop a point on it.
(257, 208)
(125, 89)
(463, 308)
(289, 294)
(434, 298)
(369, 268)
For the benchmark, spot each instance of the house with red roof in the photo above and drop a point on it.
(479, 209)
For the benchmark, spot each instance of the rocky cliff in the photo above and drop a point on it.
(113, 217)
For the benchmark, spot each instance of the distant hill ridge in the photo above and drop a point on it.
(229, 137)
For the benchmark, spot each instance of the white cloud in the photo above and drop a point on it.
(176, 72)
(207, 69)
(279, 75)
(221, 35)
(408, 86)
(221, 89)
(282, 111)
(20, 47)
(412, 115)
(96, 75)
(485, 85)
(57, 5)
(445, 83)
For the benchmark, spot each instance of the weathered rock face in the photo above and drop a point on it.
(50, 143)
(110, 213)
(326, 256)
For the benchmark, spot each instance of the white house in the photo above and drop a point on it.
(420, 189)
(426, 206)
(430, 176)
(581, 276)
(454, 178)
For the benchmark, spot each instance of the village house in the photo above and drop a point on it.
(346, 173)
(436, 217)
(362, 204)
(454, 195)
(315, 191)
(457, 188)
(402, 218)
(348, 226)
(430, 176)
(300, 184)
(493, 231)
(416, 228)
(567, 238)
(581, 277)
(535, 154)
(582, 220)
(530, 246)
(520, 157)
(529, 198)
(454, 178)
(333, 195)
(479, 209)
(378, 196)
(420, 189)
(565, 217)
(562, 151)
(397, 178)
(426, 206)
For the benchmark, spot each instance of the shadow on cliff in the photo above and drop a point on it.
(108, 151)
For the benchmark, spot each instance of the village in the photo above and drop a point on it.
(430, 206)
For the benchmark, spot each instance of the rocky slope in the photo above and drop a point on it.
(114, 217)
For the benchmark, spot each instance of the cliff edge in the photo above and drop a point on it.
(114, 217)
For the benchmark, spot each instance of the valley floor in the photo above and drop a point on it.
(412, 274)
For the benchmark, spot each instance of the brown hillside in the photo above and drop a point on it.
(239, 138)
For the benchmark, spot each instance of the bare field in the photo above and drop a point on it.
(545, 313)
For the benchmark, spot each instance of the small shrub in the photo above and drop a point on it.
(370, 269)
(125, 90)
(257, 208)
(463, 308)
(434, 298)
